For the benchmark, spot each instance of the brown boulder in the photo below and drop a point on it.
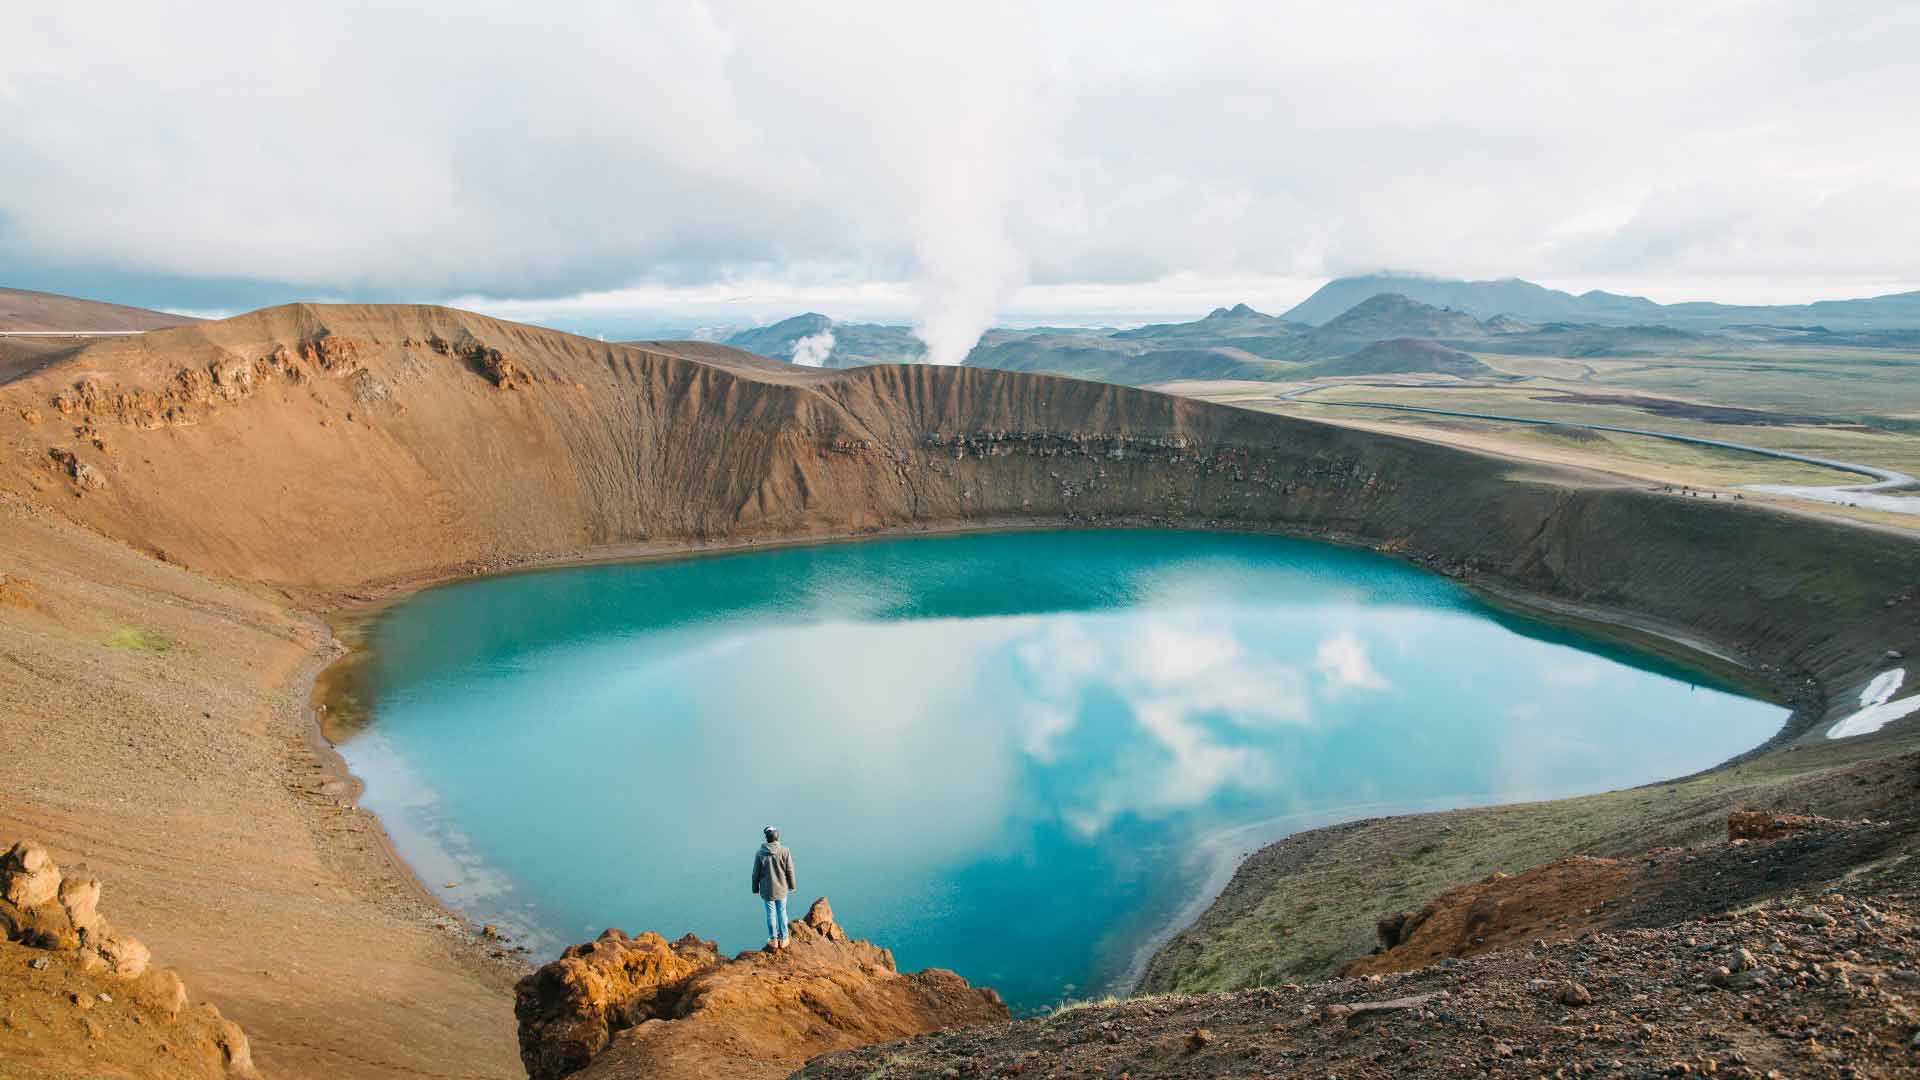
(126, 957)
(162, 989)
(81, 899)
(233, 1046)
(569, 1009)
(617, 1008)
(28, 877)
(43, 926)
(819, 919)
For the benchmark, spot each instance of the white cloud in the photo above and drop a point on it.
(1046, 724)
(1201, 765)
(964, 160)
(1344, 665)
(1189, 687)
(1196, 668)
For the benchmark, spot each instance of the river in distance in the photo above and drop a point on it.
(1024, 756)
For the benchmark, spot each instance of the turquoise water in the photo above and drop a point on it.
(1020, 756)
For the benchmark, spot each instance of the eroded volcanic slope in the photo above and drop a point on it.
(326, 446)
(321, 448)
(174, 502)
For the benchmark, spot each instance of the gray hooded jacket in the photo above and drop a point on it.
(773, 871)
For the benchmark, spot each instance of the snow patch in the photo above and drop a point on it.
(1877, 707)
(1873, 718)
(1880, 690)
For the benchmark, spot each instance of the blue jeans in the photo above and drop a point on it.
(777, 919)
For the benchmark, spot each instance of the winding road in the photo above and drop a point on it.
(1874, 496)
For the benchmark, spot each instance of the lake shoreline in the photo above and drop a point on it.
(351, 621)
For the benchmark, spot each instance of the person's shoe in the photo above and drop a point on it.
(785, 941)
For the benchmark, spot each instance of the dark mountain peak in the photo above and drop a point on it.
(1386, 304)
(1238, 324)
(1388, 301)
(1237, 311)
(1393, 315)
(1507, 324)
(811, 322)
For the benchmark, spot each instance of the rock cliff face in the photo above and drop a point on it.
(79, 994)
(646, 1007)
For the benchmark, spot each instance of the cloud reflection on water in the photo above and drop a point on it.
(957, 784)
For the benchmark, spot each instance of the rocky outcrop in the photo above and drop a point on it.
(570, 1009)
(233, 375)
(1767, 825)
(86, 476)
(191, 391)
(624, 1006)
(63, 966)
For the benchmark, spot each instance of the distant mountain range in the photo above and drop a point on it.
(1527, 301)
(852, 345)
(1383, 333)
(1376, 324)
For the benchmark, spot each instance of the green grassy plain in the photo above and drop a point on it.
(1849, 404)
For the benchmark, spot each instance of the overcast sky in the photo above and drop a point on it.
(958, 164)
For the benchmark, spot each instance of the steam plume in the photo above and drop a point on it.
(813, 350)
(967, 261)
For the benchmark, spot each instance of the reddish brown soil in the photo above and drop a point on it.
(1559, 898)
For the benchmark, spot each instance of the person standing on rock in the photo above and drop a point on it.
(772, 881)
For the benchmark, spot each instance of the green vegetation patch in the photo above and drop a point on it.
(135, 639)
